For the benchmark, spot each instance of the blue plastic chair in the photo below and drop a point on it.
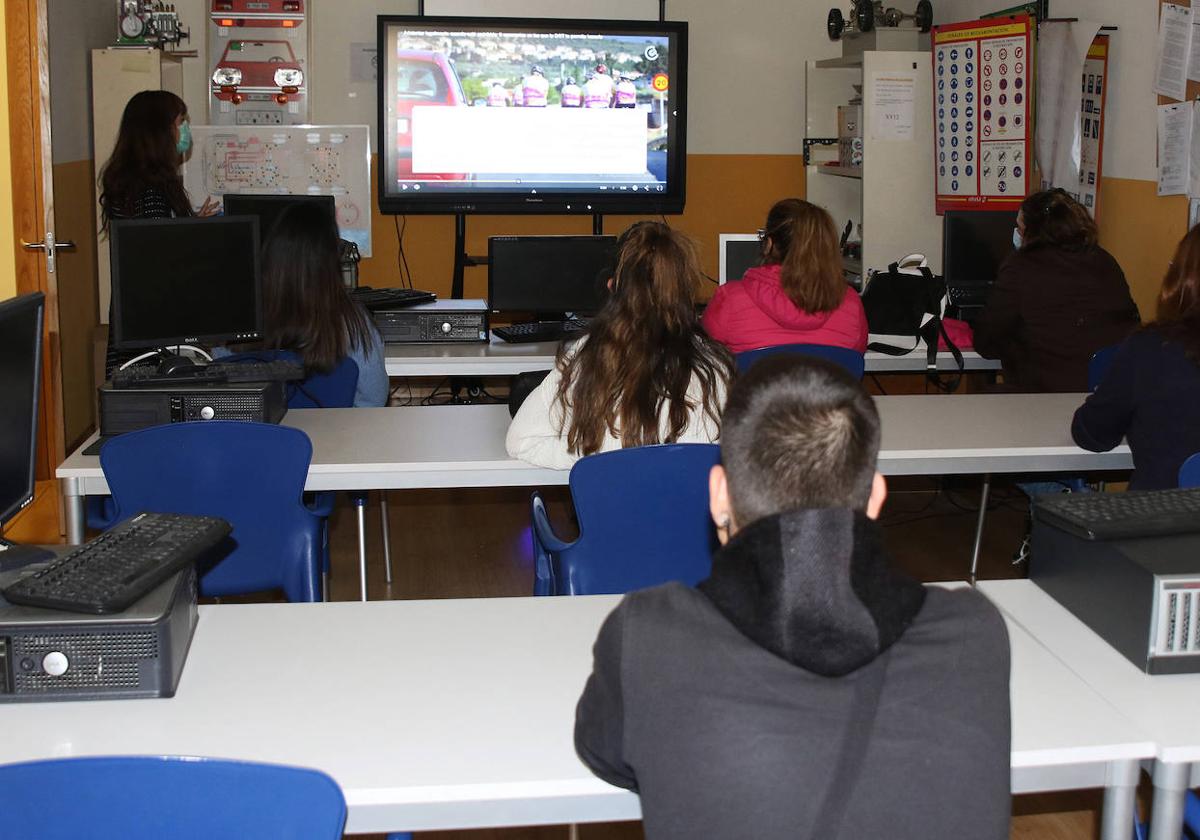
(1099, 364)
(643, 520)
(144, 797)
(851, 360)
(251, 474)
(1189, 473)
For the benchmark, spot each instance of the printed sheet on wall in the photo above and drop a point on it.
(288, 160)
(982, 111)
(1091, 146)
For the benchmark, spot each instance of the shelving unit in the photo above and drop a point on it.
(891, 196)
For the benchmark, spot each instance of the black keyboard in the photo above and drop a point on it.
(374, 299)
(1115, 516)
(968, 296)
(121, 565)
(539, 331)
(146, 376)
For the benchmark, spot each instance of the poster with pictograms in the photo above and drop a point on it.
(1091, 124)
(982, 91)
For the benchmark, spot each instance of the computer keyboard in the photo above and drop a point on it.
(121, 565)
(374, 299)
(146, 376)
(539, 331)
(968, 296)
(1114, 516)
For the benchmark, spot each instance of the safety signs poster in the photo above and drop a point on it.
(1091, 123)
(982, 109)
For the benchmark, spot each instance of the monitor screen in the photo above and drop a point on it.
(537, 115)
(974, 244)
(20, 381)
(269, 207)
(549, 273)
(738, 252)
(185, 281)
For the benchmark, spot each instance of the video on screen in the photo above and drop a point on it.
(470, 110)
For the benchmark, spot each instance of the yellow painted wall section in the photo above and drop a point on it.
(725, 194)
(8, 253)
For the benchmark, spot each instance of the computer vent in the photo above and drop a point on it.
(225, 406)
(108, 660)
(1178, 630)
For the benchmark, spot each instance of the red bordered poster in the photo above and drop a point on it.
(1091, 124)
(982, 92)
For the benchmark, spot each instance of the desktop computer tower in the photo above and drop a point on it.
(1141, 595)
(129, 409)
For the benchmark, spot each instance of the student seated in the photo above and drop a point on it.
(1151, 393)
(644, 373)
(306, 308)
(1056, 301)
(798, 295)
(804, 689)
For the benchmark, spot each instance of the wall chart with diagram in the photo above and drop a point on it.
(1091, 123)
(982, 74)
(288, 160)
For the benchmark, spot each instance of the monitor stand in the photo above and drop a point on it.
(14, 556)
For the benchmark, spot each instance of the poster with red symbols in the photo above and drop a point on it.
(982, 86)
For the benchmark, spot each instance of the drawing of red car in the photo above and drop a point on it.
(258, 71)
(423, 78)
(288, 14)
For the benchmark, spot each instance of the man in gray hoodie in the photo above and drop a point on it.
(804, 690)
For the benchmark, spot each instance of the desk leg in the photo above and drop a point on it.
(73, 503)
(1170, 791)
(983, 502)
(1116, 821)
(362, 549)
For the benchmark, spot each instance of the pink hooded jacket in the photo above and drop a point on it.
(755, 312)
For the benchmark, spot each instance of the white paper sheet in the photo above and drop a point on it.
(1062, 51)
(1193, 213)
(1193, 72)
(1193, 153)
(892, 99)
(1174, 148)
(1174, 51)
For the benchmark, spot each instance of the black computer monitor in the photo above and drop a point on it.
(20, 389)
(185, 281)
(549, 274)
(268, 208)
(974, 244)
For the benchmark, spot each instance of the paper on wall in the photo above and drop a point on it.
(1193, 153)
(892, 104)
(1062, 51)
(1174, 51)
(1174, 148)
(1193, 213)
(1193, 72)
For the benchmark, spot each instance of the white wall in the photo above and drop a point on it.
(1129, 127)
(76, 28)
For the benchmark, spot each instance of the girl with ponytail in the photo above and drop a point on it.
(798, 295)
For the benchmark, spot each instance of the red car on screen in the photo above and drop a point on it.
(258, 71)
(422, 78)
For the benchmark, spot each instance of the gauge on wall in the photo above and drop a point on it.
(132, 26)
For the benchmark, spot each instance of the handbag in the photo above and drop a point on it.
(904, 307)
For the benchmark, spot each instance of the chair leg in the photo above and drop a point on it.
(361, 507)
(983, 502)
(387, 536)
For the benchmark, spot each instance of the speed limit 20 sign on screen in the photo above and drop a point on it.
(982, 92)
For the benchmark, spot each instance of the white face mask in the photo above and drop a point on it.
(1017, 238)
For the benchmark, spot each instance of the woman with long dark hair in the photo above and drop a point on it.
(306, 308)
(644, 373)
(1056, 301)
(1151, 393)
(798, 295)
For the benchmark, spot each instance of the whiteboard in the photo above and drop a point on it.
(288, 160)
(608, 10)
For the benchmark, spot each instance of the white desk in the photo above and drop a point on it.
(1167, 707)
(460, 713)
(499, 358)
(463, 446)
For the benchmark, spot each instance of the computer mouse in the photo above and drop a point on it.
(171, 364)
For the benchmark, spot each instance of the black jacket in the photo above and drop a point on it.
(730, 708)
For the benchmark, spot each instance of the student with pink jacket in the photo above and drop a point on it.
(798, 295)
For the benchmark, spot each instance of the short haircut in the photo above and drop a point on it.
(798, 432)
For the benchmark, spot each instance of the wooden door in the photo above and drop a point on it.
(33, 202)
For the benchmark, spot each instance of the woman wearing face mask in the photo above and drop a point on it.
(1056, 301)
(141, 178)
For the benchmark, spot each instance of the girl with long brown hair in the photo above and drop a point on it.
(644, 373)
(1151, 393)
(798, 295)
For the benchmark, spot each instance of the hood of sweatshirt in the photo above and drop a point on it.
(814, 587)
(764, 286)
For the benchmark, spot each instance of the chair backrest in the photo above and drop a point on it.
(131, 798)
(251, 474)
(1189, 473)
(643, 519)
(851, 360)
(320, 390)
(1099, 364)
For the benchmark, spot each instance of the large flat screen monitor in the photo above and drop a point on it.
(185, 281)
(549, 274)
(531, 115)
(20, 381)
(268, 208)
(974, 244)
